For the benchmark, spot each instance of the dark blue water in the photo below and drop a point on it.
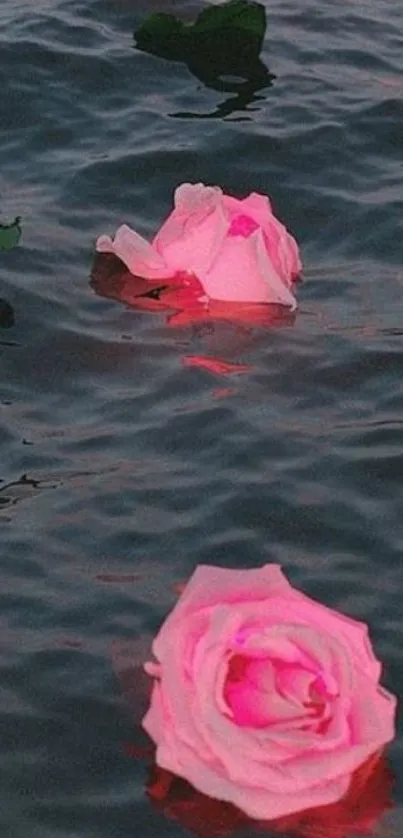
(121, 466)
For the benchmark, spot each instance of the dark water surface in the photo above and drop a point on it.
(122, 466)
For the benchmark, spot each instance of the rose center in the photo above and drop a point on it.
(242, 225)
(270, 691)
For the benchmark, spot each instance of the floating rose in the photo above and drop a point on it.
(263, 697)
(228, 249)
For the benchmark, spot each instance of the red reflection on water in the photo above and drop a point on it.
(222, 392)
(368, 798)
(215, 365)
(183, 299)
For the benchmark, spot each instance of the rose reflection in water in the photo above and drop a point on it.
(358, 813)
(179, 297)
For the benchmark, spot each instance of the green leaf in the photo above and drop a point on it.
(246, 16)
(232, 26)
(163, 35)
(221, 48)
(10, 234)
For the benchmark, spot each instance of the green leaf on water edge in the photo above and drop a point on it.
(10, 234)
(235, 25)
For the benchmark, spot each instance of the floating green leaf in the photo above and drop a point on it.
(246, 17)
(162, 34)
(223, 40)
(10, 234)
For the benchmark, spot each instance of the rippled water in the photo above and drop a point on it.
(122, 464)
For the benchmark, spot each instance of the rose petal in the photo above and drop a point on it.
(137, 254)
(352, 632)
(190, 198)
(192, 243)
(242, 271)
(193, 203)
(256, 206)
(280, 243)
(373, 717)
(256, 801)
(210, 585)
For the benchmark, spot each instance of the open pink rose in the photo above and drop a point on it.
(236, 249)
(263, 697)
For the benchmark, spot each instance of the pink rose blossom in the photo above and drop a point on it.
(236, 249)
(263, 697)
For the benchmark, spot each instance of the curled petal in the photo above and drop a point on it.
(138, 255)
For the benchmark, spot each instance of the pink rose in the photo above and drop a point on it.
(237, 250)
(263, 697)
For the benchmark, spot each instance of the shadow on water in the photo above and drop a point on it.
(10, 235)
(15, 491)
(6, 314)
(245, 98)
